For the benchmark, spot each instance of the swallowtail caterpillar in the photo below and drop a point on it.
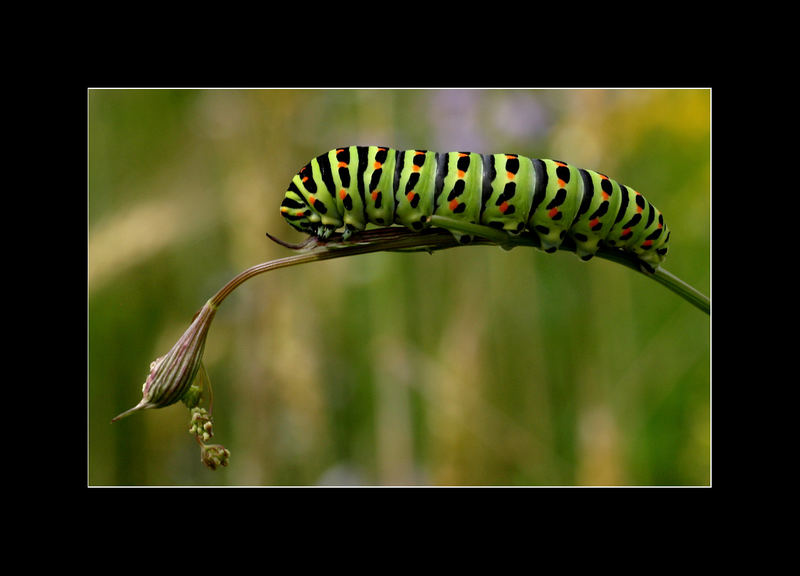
(358, 185)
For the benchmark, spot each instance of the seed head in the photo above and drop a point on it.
(172, 374)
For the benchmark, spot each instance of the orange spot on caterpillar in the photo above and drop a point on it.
(503, 207)
(462, 155)
(561, 183)
(626, 231)
(342, 165)
(553, 212)
(284, 209)
(311, 199)
(453, 204)
(342, 193)
(410, 195)
(377, 165)
(510, 175)
(375, 194)
(460, 173)
(606, 195)
(594, 222)
(560, 163)
(415, 168)
(647, 243)
(304, 178)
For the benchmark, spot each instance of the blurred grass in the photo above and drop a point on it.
(473, 366)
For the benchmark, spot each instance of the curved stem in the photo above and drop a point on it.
(399, 239)
(396, 238)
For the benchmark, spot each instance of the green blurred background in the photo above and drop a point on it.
(472, 366)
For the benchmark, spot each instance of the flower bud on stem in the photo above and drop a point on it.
(171, 375)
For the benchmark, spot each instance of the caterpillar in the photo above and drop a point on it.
(359, 185)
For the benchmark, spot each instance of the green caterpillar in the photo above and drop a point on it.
(360, 185)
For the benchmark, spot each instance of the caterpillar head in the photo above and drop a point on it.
(305, 216)
(298, 213)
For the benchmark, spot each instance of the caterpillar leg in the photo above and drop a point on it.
(646, 267)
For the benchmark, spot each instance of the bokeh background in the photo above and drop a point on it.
(472, 366)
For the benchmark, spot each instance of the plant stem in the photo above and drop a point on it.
(396, 238)
(684, 290)
(397, 241)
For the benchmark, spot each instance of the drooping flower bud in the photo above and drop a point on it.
(171, 375)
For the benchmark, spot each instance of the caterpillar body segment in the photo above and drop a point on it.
(505, 206)
(414, 184)
(600, 202)
(354, 186)
(557, 198)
